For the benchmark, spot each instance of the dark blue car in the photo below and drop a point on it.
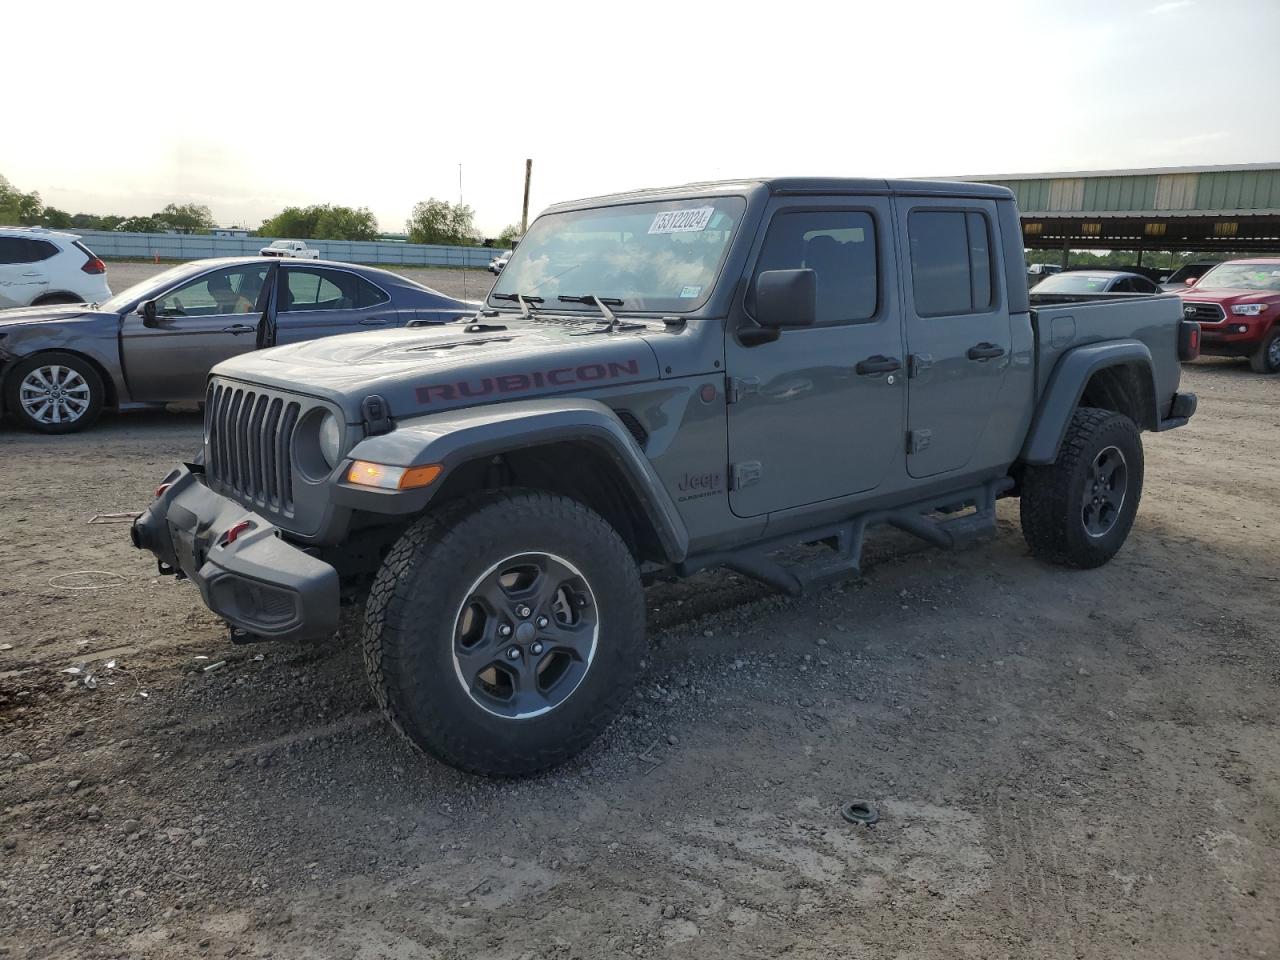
(60, 366)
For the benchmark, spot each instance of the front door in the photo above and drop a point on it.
(323, 301)
(958, 332)
(818, 413)
(198, 324)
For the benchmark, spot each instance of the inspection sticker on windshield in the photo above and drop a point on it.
(682, 221)
(688, 293)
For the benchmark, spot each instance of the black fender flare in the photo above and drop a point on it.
(459, 436)
(1066, 386)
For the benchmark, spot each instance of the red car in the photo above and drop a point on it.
(1237, 304)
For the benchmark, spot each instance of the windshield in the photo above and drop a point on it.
(1074, 283)
(283, 244)
(155, 284)
(662, 257)
(1242, 276)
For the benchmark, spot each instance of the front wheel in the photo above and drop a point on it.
(1078, 510)
(1266, 359)
(504, 634)
(55, 392)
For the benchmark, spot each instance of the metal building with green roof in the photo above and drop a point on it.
(1234, 208)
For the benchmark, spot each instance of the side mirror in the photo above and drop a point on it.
(148, 310)
(786, 298)
(1191, 281)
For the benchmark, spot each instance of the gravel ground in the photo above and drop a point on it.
(469, 284)
(1067, 763)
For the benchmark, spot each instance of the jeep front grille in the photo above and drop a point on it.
(1203, 312)
(249, 444)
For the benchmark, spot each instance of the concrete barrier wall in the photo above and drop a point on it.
(169, 246)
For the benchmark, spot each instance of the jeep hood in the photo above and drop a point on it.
(425, 369)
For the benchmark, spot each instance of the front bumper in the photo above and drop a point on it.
(258, 583)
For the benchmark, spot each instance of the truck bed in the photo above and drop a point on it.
(1150, 319)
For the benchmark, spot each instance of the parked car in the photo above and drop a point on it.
(498, 262)
(1038, 271)
(290, 248)
(155, 342)
(1181, 278)
(1237, 304)
(39, 267)
(665, 381)
(1071, 283)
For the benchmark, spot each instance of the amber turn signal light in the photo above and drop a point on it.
(366, 474)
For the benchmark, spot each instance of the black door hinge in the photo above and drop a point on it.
(918, 363)
(735, 388)
(744, 474)
(918, 440)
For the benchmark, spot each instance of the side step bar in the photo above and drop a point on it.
(846, 539)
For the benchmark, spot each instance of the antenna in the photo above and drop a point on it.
(464, 266)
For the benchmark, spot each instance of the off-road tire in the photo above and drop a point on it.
(413, 609)
(88, 374)
(1054, 496)
(1263, 360)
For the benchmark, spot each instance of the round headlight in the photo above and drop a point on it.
(330, 440)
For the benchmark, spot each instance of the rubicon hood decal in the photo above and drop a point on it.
(562, 377)
(421, 371)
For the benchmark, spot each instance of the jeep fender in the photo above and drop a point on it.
(458, 436)
(1066, 386)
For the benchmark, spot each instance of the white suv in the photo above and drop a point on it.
(39, 267)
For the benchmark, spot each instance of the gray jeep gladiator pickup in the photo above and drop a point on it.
(660, 382)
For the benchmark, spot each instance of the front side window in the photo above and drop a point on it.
(232, 291)
(661, 257)
(318, 289)
(839, 246)
(951, 265)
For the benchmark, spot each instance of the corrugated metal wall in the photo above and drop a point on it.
(1243, 190)
(194, 247)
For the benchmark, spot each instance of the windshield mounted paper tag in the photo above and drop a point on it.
(682, 221)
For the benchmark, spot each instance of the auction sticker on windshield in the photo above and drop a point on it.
(682, 221)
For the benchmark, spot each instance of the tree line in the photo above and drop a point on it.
(430, 221)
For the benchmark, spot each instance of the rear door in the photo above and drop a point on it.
(957, 324)
(198, 324)
(23, 273)
(818, 413)
(323, 301)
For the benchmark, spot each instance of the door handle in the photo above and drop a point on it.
(238, 328)
(877, 364)
(985, 351)
(373, 322)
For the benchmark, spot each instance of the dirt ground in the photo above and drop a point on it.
(1067, 764)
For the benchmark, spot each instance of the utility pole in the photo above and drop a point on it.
(524, 215)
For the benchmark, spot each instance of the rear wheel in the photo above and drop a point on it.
(55, 392)
(1266, 359)
(56, 298)
(504, 634)
(1078, 510)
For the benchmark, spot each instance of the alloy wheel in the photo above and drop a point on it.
(525, 635)
(54, 394)
(1104, 491)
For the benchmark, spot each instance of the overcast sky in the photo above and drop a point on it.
(248, 107)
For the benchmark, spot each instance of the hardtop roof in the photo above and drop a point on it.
(796, 186)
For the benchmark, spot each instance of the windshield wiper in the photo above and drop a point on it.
(609, 323)
(523, 299)
(602, 303)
